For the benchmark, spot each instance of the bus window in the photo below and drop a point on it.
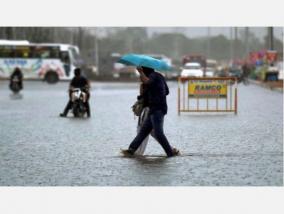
(6, 51)
(39, 52)
(22, 52)
(15, 52)
(54, 52)
(46, 52)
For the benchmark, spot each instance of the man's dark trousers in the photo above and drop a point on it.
(155, 120)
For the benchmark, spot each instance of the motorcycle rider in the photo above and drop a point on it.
(81, 82)
(17, 73)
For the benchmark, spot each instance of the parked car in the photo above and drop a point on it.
(211, 68)
(235, 72)
(192, 69)
(190, 58)
(210, 72)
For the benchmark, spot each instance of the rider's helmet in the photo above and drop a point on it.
(77, 72)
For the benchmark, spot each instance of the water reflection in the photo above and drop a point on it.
(16, 96)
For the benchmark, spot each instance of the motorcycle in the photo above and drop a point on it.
(15, 85)
(79, 99)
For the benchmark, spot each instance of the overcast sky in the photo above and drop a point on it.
(192, 32)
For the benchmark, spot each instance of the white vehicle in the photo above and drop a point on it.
(50, 62)
(211, 67)
(120, 70)
(192, 69)
(280, 69)
(209, 72)
(211, 63)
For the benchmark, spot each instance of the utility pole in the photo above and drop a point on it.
(247, 41)
(178, 43)
(235, 43)
(81, 37)
(175, 44)
(97, 50)
(231, 44)
(208, 43)
(270, 38)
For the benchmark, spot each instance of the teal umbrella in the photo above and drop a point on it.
(139, 60)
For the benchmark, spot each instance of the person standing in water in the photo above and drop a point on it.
(155, 94)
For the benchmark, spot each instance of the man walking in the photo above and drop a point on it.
(157, 90)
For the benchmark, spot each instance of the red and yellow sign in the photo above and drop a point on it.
(207, 89)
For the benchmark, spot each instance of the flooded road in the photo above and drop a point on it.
(38, 148)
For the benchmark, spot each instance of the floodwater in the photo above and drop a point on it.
(38, 148)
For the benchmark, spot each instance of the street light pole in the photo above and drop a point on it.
(175, 44)
(97, 51)
(231, 44)
(208, 42)
(270, 38)
(236, 43)
(247, 40)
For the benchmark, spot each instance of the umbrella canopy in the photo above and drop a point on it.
(139, 60)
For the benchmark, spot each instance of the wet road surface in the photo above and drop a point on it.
(38, 148)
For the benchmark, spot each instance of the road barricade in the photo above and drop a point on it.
(207, 94)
